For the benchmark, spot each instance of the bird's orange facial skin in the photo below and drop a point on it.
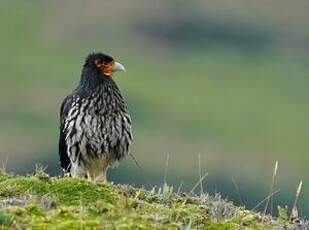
(106, 68)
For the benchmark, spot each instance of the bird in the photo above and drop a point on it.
(95, 124)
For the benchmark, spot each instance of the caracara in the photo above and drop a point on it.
(95, 124)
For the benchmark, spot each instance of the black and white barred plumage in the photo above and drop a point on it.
(95, 129)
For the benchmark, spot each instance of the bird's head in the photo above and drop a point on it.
(103, 64)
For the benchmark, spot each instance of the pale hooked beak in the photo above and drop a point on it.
(118, 67)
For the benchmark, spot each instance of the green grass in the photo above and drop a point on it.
(66, 203)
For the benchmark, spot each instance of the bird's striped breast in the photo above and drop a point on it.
(98, 124)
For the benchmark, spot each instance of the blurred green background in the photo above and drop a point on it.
(226, 80)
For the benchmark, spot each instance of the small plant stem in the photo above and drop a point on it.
(199, 181)
(140, 168)
(166, 167)
(200, 174)
(262, 201)
(270, 189)
(180, 187)
(237, 190)
(298, 191)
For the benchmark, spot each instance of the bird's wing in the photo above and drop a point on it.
(63, 154)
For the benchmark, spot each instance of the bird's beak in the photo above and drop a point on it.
(118, 67)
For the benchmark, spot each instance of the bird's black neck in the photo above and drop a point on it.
(91, 79)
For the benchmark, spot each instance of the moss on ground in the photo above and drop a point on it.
(70, 191)
(3, 176)
(40, 202)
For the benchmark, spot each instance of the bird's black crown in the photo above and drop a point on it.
(94, 58)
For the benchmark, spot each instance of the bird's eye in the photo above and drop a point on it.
(98, 63)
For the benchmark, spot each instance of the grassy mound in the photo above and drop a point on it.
(41, 202)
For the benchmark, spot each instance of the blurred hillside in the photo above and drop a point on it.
(224, 79)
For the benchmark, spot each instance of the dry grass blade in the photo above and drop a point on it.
(166, 167)
(271, 188)
(238, 191)
(180, 187)
(262, 201)
(298, 191)
(199, 181)
(140, 168)
(200, 174)
(4, 164)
